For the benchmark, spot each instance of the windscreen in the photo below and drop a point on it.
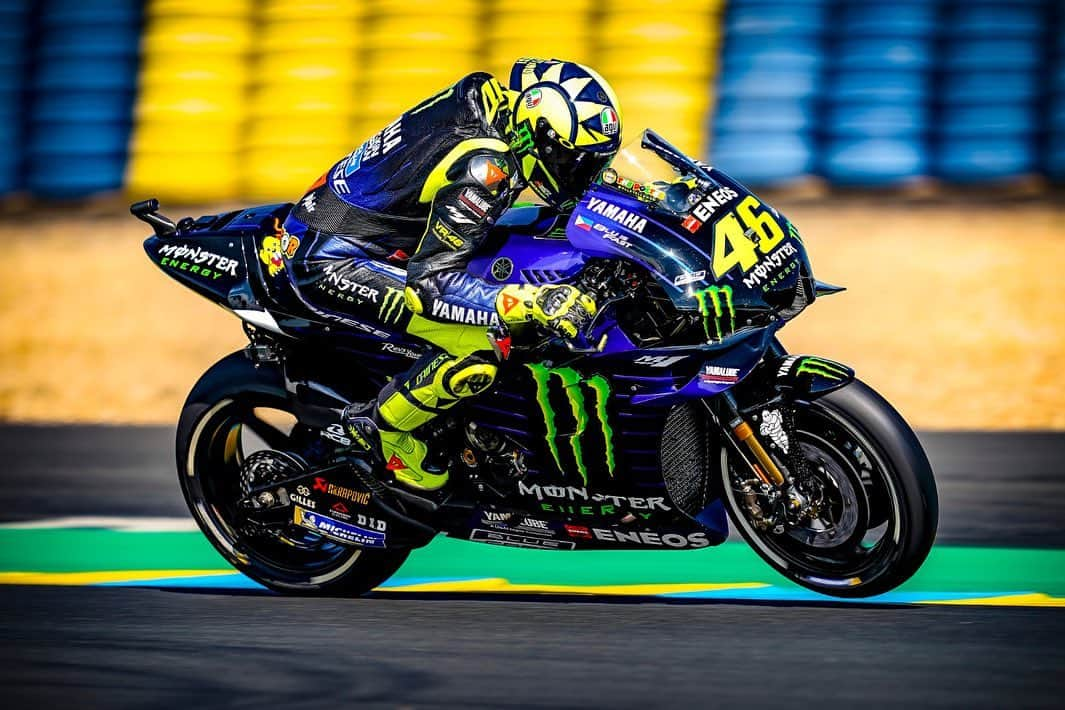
(694, 227)
(644, 175)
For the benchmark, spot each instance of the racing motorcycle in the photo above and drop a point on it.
(675, 410)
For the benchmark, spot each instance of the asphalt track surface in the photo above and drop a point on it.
(150, 647)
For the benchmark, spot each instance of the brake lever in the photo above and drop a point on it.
(568, 344)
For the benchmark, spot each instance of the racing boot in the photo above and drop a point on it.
(397, 451)
(435, 384)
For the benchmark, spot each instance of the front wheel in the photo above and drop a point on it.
(234, 411)
(877, 505)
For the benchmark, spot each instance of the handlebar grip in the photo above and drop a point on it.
(144, 207)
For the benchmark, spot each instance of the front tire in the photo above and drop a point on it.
(231, 412)
(881, 498)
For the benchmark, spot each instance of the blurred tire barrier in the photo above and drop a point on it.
(14, 39)
(253, 99)
(876, 105)
(303, 105)
(414, 48)
(517, 29)
(191, 107)
(772, 68)
(661, 60)
(81, 91)
(1055, 154)
(989, 119)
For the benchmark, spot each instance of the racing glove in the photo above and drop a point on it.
(563, 309)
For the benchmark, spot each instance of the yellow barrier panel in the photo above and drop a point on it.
(295, 10)
(695, 9)
(641, 32)
(518, 8)
(286, 175)
(312, 36)
(194, 34)
(210, 69)
(199, 8)
(282, 131)
(300, 68)
(184, 177)
(297, 104)
(310, 78)
(177, 135)
(424, 8)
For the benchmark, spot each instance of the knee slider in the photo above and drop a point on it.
(469, 377)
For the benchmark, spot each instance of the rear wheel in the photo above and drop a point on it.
(876, 500)
(234, 411)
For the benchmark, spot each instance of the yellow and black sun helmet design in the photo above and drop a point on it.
(566, 127)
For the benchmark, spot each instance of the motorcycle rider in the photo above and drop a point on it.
(422, 195)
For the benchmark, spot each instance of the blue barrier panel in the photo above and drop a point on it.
(874, 162)
(799, 54)
(1055, 161)
(78, 139)
(996, 20)
(880, 54)
(93, 174)
(890, 86)
(769, 84)
(992, 120)
(991, 55)
(101, 41)
(14, 38)
(770, 115)
(876, 119)
(890, 19)
(82, 88)
(763, 158)
(986, 159)
(89, 12)
(776, 18)
(91, 74)
(81, 105)
(990, 87)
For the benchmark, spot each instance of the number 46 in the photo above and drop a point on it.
(733, 245)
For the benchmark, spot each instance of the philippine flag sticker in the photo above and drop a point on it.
(585, 223)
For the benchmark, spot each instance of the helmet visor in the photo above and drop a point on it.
(572, 169)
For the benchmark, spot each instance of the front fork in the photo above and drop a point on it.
(744, 438)
(777, 481)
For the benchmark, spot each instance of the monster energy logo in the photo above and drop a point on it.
(821, 367)
(572, 385)
(714, 302)
(391, 308)
(523, 140)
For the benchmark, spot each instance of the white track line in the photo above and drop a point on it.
(124, 524)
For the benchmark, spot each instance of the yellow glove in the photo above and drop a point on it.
(563, 308)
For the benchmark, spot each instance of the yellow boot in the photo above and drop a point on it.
(405, 456)
(432, 387)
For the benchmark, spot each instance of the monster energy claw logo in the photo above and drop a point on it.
(391, 308)
(822, 368)
(714, 303)
(572, 384)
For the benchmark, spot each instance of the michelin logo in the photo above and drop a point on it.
(344, 532)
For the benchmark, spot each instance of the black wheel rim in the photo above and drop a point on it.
(222, 439)
(862, 491)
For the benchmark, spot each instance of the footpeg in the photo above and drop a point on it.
(365, 438)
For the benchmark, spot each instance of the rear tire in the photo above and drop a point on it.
(877, 471)
(217, 429)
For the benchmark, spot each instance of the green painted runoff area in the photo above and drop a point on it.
(948, 569)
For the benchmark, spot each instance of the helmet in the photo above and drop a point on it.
(565, 127)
